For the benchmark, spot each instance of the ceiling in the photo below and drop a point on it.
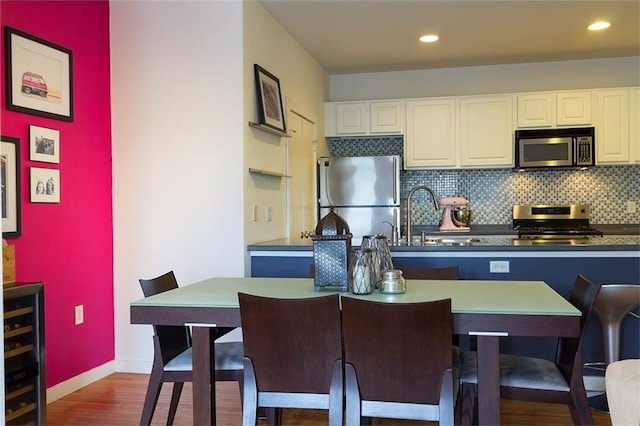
(359, 36)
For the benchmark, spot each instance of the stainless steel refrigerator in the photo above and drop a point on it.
(364, 191)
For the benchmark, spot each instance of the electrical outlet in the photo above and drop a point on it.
(499, 266)
(79, 314)
(268, 214)
(631, 206)
(254, 213)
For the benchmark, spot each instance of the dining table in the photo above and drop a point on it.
(486, 309)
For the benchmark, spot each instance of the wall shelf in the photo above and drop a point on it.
(267, 173)
(268, 129)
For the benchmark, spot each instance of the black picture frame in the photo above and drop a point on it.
(270, 110)
(39, 76)
(10, 192)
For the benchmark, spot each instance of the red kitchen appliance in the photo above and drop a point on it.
(456, 214)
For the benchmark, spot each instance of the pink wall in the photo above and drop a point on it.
(69, 245)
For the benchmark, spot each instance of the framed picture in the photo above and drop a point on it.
(44, 185)
(44, 144)
(38, 75)
(269, 99)
(10, 176)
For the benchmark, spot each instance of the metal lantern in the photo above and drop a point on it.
(331, 248)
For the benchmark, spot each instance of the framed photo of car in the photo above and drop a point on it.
(38, 76)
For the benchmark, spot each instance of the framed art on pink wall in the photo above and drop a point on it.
(10, 176)
(44, 144)
(39, 76)
(44, 185)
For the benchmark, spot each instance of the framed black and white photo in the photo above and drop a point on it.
(44, 144)
(270, 110)
(10, 176)
(39, 76)
(44, 185)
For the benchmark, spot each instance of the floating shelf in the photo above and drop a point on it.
(269, 129)
(267, 173)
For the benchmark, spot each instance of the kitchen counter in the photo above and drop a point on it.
(487, 238)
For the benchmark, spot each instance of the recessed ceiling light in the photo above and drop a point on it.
(429, 38)
(597, 26)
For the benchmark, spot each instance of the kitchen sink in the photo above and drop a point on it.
(446, 241)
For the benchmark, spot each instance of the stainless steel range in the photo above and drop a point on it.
(553, 222)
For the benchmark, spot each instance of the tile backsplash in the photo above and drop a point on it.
(493, 192)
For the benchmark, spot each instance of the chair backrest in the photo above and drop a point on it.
(399, 351)
(622, 379)
(292, 343)
(569, 357)
(444, 273)
(173, 340)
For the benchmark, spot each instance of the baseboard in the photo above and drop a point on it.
(81, 380)
(129, 366)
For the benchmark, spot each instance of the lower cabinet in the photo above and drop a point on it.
(24, 362)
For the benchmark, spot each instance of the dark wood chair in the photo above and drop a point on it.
(292, 356)
(398, 361)
(172, 356)
(444, 273)
(533, 379)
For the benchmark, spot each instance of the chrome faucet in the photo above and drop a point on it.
(411, 192)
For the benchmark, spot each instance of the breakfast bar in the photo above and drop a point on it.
(486, 309)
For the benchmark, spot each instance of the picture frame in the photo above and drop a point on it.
(44, 144)
(270, 110)
(44, 185)
(39, 76)
(10, 193)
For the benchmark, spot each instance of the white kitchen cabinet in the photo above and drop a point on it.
(352, 118)
(486, 131)
(612, 126)
(536, 110)
(386, 117)
(634, 125)
(573, 108)
(550, 109)
(364, 118)
(430, 139)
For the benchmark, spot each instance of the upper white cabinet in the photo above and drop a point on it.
(430, 139)
(486, 131)
(364, 118)
(549, 109)
(634, 126)
(613, 126)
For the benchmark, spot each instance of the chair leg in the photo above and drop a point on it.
(173, 405)
(467, 404)
(580, 410)
(249, 396)
(151, 398)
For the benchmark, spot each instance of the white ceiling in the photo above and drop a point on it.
(356, 36)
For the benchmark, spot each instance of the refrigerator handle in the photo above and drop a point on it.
(325, 178)
(395, 183)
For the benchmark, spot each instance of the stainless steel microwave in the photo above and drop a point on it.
(555, 148)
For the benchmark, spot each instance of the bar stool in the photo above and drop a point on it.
(612, 305)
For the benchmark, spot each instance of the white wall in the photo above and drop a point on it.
(540, 76)
(178, 126)
(304, 86)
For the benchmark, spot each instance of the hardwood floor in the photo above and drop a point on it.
(118, 398)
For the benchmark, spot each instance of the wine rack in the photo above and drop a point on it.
(25, 389)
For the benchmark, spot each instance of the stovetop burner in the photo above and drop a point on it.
(524, 232)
